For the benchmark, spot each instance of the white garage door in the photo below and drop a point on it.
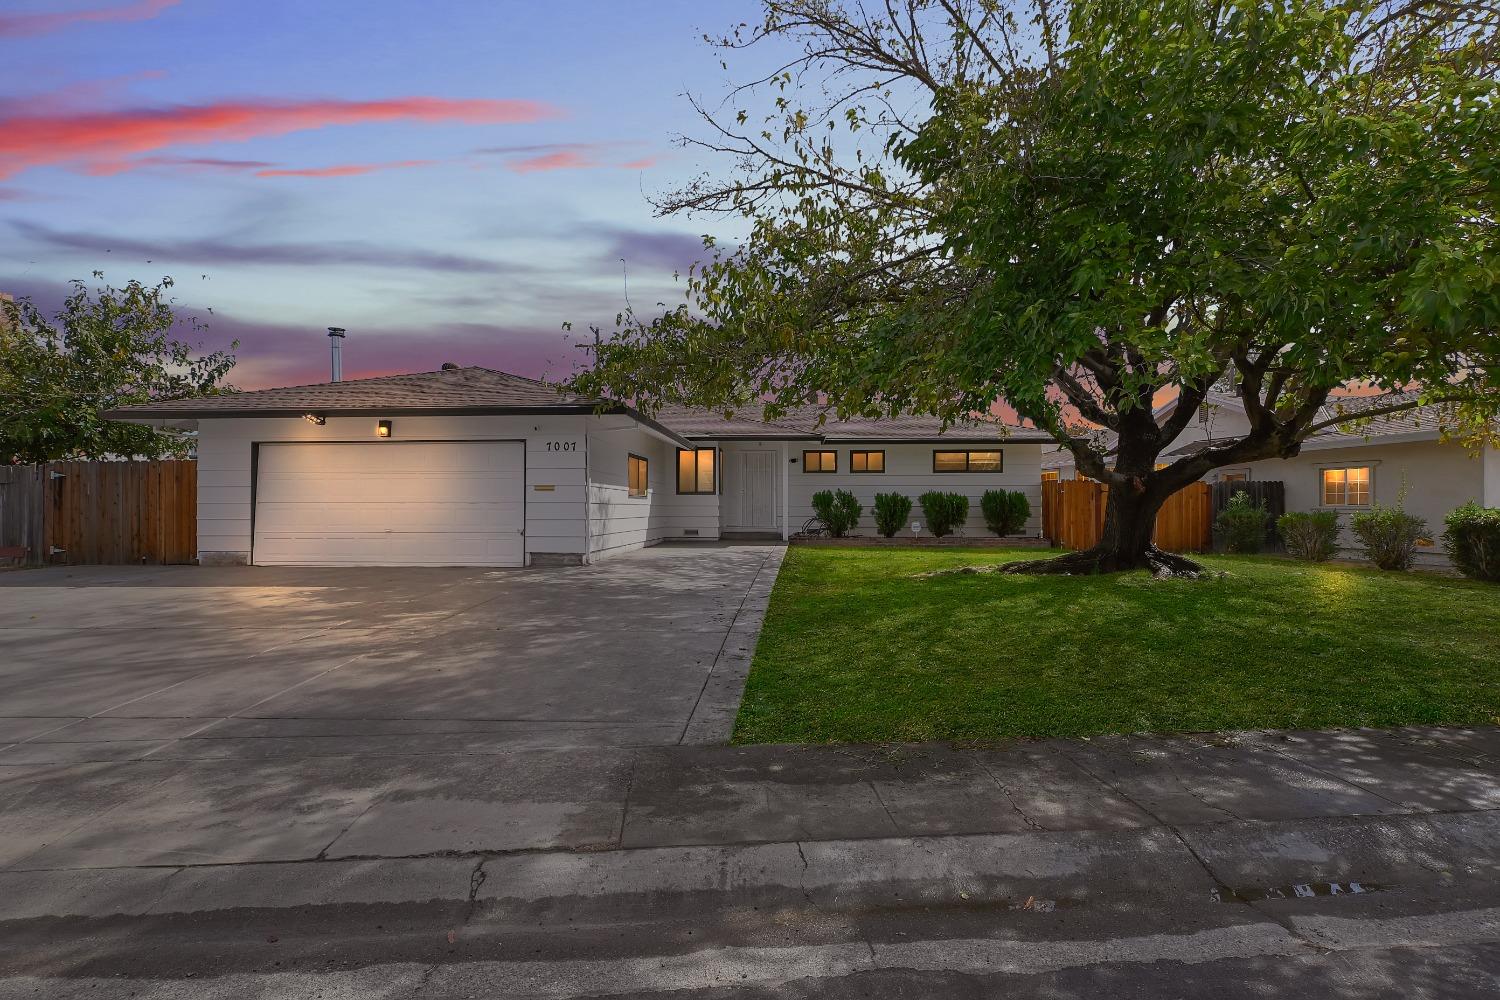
(391, 503)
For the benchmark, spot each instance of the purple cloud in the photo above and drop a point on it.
(209, 253)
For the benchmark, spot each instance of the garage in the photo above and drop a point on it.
(390, 503)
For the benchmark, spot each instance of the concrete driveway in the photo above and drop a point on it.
(161, 663)
(192, 715)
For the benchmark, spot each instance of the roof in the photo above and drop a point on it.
(475, 390)
(450, 390)
(1417, 424)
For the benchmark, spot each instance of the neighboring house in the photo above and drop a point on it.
(1348, 467)
(470, 466)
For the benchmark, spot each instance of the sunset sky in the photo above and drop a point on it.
(450, 180)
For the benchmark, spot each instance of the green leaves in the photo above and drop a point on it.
(105, 349)
(1293, 195)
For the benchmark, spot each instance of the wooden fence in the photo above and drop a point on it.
(1073, 515)
(101, 512)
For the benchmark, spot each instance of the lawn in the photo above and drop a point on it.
(857, 648)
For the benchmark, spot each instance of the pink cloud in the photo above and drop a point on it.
(562, 159)
(342, 169)
(641, 164)
(105, 141)
(24, 25)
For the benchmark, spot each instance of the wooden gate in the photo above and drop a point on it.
(1073, 515)
(101, 512)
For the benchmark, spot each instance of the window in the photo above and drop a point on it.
(967, 461)
(1049, 475)
(639, 477)
(1347, 487)
(1234, 477)
(867, 461)
(695, 470)
(820, 461)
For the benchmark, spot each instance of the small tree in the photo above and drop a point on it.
(839, 510)
(945, 512)
(891, 512)
(108, 348)
(1005, 511)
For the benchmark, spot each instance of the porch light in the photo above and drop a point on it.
(315, 418)
(383, 429)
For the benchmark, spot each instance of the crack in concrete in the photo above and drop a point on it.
(1009, 797)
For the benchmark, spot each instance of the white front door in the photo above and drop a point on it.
(391, 503)
(752, 486)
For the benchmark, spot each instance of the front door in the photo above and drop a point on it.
(752, 488)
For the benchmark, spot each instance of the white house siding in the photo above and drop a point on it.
(1438, 478)
(909, 472)
(687, 516)
(619, 522)
(555, 457)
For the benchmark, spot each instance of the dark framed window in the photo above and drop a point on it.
(867, 461)
(968, 461)
(696, 470)
(820, 461)
(640, 476)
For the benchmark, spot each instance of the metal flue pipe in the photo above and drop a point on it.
(336, 343)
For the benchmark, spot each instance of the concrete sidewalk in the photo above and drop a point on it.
(1336, 864)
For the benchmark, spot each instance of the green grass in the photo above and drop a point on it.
(856, 648)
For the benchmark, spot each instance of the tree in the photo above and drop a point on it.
(1087, 209)
(105, 349)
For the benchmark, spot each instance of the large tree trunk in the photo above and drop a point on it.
(1125, 543)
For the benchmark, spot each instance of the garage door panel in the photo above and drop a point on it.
(391, 503)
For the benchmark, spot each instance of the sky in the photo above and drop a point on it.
(449, 180)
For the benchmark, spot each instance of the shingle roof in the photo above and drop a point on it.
(1423, 421)
(449, 389)
(478, 390)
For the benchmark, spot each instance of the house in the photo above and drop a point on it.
(1347, 467)
(471, 466)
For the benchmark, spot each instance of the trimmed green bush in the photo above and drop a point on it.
(891, 512)
(839, 510)
(945, 512)
(1389, 534)
(1242, 524)
(1471, 537)
(1005, 511)
(1311, 535)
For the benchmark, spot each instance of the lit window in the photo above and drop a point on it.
(695, 470)
(1347, 487)
(867, 461)
(1233, 477)
(820, 461)
(967, 461)
(639, 477)
(1049, 475)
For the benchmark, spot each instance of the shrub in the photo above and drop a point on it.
(1389, 534)
(839, 510)
(1471, 537)
(891, 512)
(1242, 524)
(1310, 535)
(944, 511)
(1005, 511)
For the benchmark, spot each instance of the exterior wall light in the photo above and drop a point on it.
(383, 429)
(315, 418)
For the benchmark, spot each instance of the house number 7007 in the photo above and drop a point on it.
(562, 445)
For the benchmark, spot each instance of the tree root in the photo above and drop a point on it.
(1163, 565)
